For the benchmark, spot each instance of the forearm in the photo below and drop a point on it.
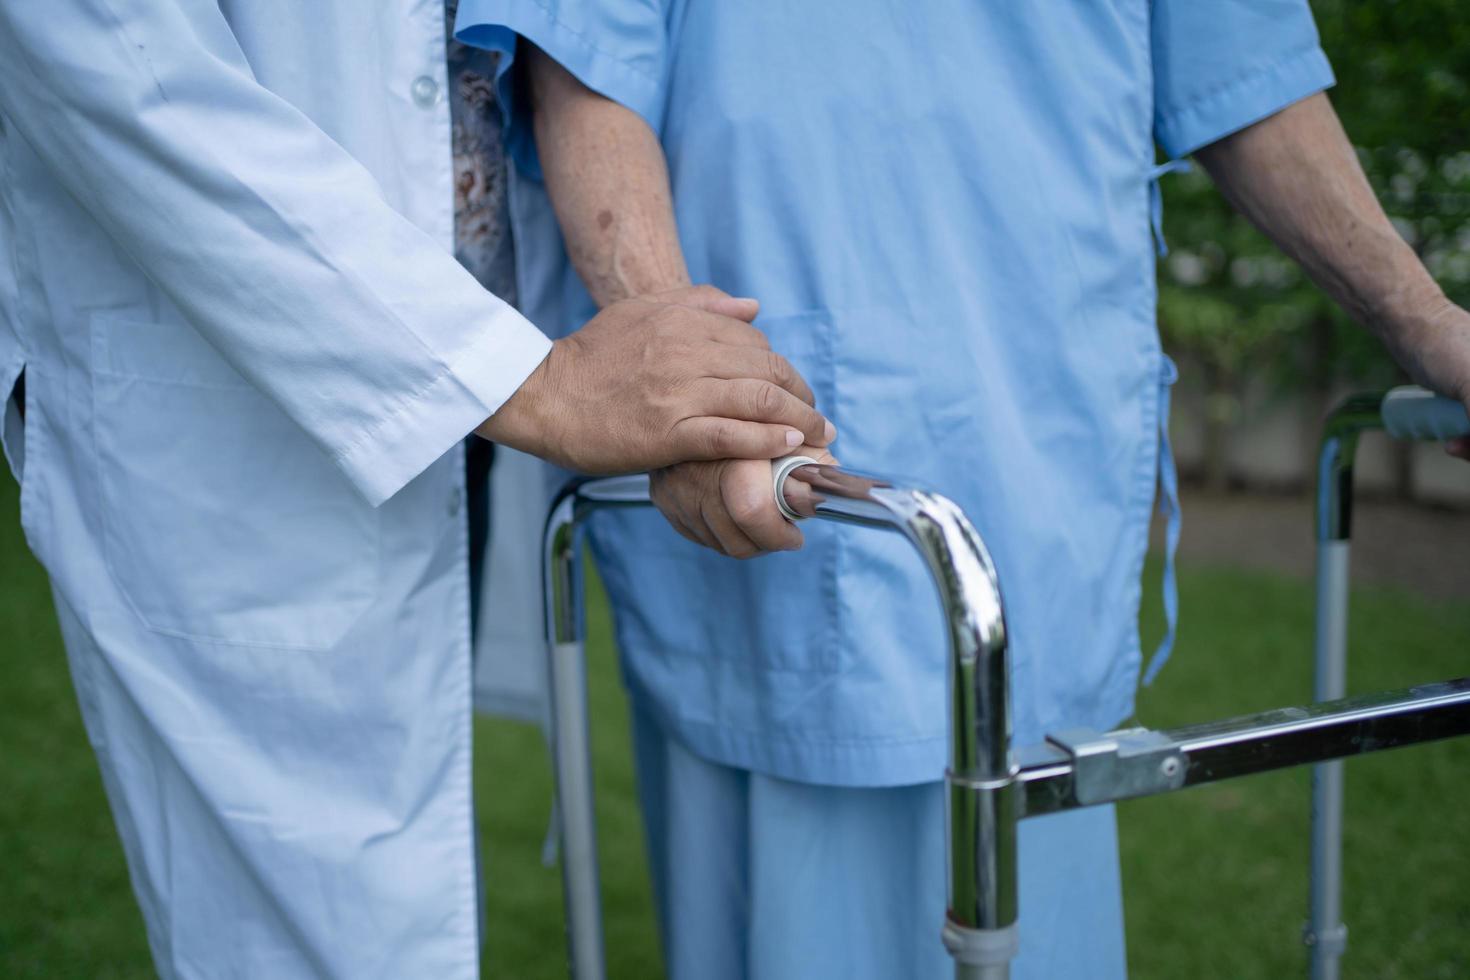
(609, 185)
(1296, 177)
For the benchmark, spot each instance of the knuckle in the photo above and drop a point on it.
(767, 400)
(780, 368)
(745, 510)
(742, 547)
(721, 440)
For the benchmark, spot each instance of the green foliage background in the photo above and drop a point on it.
(1235, 305)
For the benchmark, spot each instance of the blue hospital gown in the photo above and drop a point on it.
(946, 211)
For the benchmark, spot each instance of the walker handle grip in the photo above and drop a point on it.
(780, 470)
(1411, 412)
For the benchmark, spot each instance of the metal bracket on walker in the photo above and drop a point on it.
(982, 948)
(1121, 764)
(1332, 942)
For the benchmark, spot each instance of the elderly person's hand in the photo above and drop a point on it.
(728, 505)
(1436, 353)
(1295, 175)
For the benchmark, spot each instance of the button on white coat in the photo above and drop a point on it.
(425, 91)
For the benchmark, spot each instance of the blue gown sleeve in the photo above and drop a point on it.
(617, 48)
(1221, 65)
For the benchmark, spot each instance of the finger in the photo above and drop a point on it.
(801, 498)
(760, 401)
(1458, 447)
(727, 331)
(699, 536)
(746, 494)
(672, 505)
(703, 323)
(712, 300)
(818, 453)
(733, 541)
(762, 365)
(711, 437)
(798, 493)
(741, 308)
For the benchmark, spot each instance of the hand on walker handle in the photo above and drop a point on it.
(799, 483)
(1436, 353)
(729, 505)
(793, 500)
(1415, 413)
(660, 380)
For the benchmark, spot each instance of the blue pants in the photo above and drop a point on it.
(758, 878)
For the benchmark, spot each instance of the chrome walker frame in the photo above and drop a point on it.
(990, 785)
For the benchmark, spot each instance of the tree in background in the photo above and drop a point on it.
(1236, 308)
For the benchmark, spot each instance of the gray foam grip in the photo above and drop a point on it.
(1411, 412)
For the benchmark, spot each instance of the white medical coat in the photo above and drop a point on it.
(250, 359)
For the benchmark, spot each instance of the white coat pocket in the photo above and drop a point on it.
(223, 521)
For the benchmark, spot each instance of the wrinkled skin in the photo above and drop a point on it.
(727, 505)
(660, 380)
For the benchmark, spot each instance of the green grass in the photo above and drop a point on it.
(1215, 878)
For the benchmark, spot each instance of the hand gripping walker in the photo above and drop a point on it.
(990, 786)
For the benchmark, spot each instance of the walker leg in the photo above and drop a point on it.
(1326, 935)
(966, 972)
(575, 809)
(982, 954)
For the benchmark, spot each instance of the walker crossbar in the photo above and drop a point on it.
(989, 788)
(1082, 769)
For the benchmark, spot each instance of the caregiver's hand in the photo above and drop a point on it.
(660, 380)
(727, 505)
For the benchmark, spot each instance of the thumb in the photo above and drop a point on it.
(712, 300)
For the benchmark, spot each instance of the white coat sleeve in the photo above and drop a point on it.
(272, 240)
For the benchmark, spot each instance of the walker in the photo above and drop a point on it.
(990, 784)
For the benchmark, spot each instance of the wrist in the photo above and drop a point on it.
(527, 420)
(648, 282)
(640, 282)
(1431, 341)
(1444, 336)
(1407, 302)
